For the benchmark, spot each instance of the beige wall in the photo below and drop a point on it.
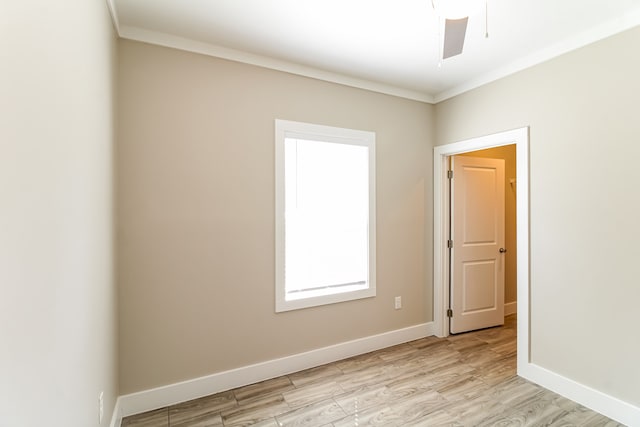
(584, 204)
(196, 214)
(57, 303)
(508, 154)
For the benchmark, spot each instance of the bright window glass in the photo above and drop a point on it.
(325, 215)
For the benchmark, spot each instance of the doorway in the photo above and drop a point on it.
(520, 138)
(482, 243)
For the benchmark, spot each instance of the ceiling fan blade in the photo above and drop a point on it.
(454, 32)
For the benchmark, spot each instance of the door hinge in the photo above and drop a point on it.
(449, 312)
(450, 174)
(450, 244)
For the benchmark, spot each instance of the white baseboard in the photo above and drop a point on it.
(148, 400)
(609, 406)
(510, 308)
(116, 417)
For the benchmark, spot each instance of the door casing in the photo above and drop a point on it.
(519, 137)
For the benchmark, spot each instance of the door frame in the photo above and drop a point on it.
(441, 153)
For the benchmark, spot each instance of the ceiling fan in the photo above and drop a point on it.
(455, 14)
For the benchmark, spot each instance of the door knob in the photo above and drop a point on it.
(502, 250)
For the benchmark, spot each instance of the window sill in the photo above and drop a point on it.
(306, 299)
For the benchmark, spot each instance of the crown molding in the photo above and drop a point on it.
(583, 39)
(593, 35)
(168, 40)
(111, 5)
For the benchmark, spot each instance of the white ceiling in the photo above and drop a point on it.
(390, 46)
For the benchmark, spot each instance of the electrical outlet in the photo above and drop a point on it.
(398, 303)
(101, 405)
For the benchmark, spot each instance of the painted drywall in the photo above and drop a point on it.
(57, 303)
(195, 214)
(508, 154)
(584, 204)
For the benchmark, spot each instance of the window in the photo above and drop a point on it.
(325, 215)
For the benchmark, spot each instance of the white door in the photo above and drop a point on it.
(477, 254)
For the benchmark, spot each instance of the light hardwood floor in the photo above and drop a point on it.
(462, 380)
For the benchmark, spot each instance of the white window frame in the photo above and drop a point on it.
(289, 129)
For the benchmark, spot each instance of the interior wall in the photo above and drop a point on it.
(508, 154)
(57, 308)
(196, 214)
(584, 204)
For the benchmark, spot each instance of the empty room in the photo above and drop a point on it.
(319, 213)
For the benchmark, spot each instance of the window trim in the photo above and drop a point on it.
(290, 129)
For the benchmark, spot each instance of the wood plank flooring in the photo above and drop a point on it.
(462, 380)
